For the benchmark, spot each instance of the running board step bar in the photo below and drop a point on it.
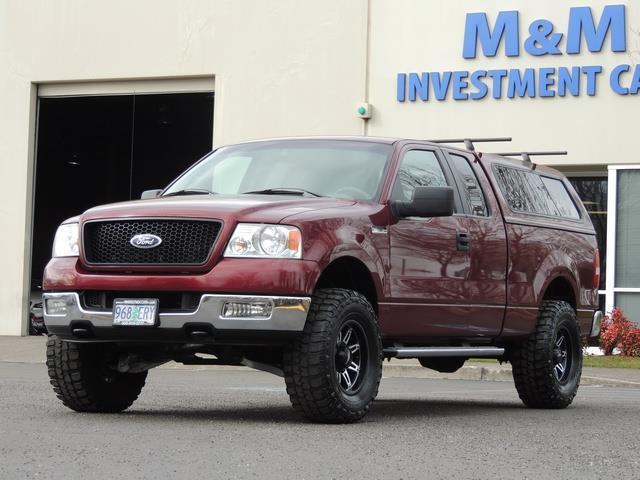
(418, 352)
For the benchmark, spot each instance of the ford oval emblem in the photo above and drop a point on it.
(145, 240)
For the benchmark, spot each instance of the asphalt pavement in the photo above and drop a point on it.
(230, 423)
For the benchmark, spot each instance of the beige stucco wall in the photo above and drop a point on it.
(281, 68)
(285, 67)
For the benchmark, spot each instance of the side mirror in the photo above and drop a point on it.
(147, 194)
(426, 202)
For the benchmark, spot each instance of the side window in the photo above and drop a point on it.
(516, 190)
(530, 192)
(471, 191)
(560, 199)
(418, 168)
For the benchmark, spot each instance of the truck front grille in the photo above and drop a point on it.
(184, 242)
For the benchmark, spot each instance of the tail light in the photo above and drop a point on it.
(596, 270)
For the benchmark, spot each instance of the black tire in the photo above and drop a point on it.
(81, 379)
(316, 365)
(33, 330)
(548, 365)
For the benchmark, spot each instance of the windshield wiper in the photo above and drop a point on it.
(282, 191)
(190, 191)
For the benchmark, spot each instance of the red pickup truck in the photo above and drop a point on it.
(315, 259)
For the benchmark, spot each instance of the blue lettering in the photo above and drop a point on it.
(521, 84)
(459, 84)
(591, 73)
(479, 84)
(476, 28)
(568, 81)
(614, 79)
(581, 23)
(545, 80)
(635, 81)
(541, 40)
(497, 76)
(419, 85)
(401, 86)
(440, 86)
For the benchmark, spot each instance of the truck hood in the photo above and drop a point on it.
(228, 208)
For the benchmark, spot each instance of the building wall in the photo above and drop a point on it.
(288, 68)
(414, 36)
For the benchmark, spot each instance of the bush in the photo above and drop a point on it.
(617, 331)
(630, 344)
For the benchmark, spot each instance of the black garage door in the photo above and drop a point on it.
(101, 149)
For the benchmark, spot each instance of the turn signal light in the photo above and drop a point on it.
(294, 241)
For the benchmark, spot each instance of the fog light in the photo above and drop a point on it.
(56, 306)
(239, 309)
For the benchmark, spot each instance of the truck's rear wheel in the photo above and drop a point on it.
(83, 381)
(333, 370)
(548, 365)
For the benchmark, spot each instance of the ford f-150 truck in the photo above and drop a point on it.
(317, 258)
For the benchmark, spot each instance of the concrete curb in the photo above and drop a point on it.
(498, 373)
(32, 350)
(602, 381)
(468, 372)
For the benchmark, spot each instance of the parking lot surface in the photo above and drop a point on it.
(203, 423)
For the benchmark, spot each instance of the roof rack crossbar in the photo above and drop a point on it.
(526, 155)
(468, 142)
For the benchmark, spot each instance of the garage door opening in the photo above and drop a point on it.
(93, 150)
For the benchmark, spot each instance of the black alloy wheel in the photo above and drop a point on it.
(351, 352)
(562, 359)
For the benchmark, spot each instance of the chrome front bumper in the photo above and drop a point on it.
(288, 314)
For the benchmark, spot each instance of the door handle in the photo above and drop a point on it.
(462, 241)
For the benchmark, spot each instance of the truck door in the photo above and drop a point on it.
(486, 243)
(428, 272)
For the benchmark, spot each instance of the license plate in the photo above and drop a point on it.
(134, 312)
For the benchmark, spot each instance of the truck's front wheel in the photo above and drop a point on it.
(84, 382)
(333, 370)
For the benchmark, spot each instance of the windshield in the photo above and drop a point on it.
(331, 168)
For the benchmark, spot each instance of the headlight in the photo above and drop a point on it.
(265, 241)
(65, 243)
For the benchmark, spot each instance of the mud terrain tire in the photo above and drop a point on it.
(333, 370)
(83, 382)
(548, 365)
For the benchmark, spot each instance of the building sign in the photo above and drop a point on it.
(583, 34)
